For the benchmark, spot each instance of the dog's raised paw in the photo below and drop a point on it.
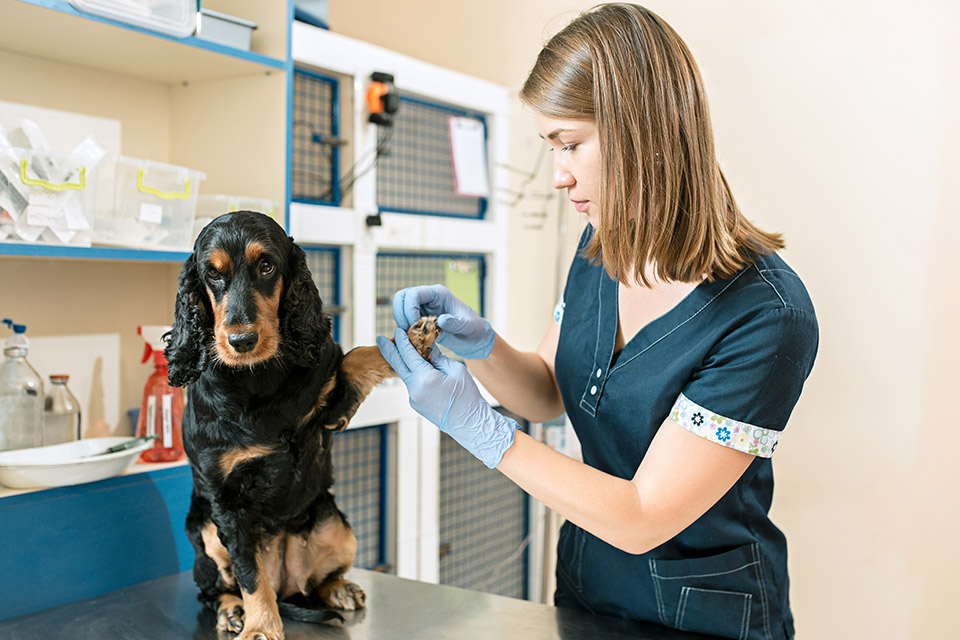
(423, 333)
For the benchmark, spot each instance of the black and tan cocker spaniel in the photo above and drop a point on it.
(268, 388)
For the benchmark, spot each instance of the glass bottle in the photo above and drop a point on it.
(21, 401)
(61, 412)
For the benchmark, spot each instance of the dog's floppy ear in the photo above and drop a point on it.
(303, 324)
(187, 343)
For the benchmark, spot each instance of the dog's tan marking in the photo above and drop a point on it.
(260, 612)
(231, 459)
(219, 554)
(220, 260)
(321, 399)
(268, 323)
(254, 250)
(321, 558)
(273, 561)
(229, 613)
(219, 315)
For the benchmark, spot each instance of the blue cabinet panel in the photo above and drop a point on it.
(70, 543)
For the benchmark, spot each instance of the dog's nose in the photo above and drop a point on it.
(243, 342)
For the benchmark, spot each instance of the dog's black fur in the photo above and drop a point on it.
(268, 389)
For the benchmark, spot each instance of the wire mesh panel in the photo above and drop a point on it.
(315, 161)
(324, 265)
(358, 464)
(415, 173)
(483, 525)
(462, 274)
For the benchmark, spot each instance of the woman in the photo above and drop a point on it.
(679, 350)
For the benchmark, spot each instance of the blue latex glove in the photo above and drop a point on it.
(443, 392)
(462, 329)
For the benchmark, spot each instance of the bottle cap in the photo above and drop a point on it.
(59, 377)
(18, 338)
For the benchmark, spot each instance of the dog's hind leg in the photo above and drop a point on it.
(317, 561)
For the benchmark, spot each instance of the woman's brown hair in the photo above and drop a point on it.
(663, 199)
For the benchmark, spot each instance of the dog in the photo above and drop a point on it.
(268, 387)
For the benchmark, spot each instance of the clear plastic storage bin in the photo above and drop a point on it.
(176, 18)
(215, 205)
(46, 197)
(153, 207)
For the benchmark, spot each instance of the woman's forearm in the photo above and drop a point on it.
(606, 506)
(520, 381)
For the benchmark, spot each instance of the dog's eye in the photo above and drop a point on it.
(265, 267)
(214, 276)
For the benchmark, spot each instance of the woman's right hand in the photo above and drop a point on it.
(462, 330)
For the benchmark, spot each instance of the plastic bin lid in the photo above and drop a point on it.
(173, 17)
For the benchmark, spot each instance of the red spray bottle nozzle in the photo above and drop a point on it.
(153, 336)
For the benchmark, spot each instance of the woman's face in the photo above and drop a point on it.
(576, 161)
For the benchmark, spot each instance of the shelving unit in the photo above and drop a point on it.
(187, 102)
(229, 114)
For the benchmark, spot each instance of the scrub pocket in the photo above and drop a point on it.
(722, 595)
(570, 561)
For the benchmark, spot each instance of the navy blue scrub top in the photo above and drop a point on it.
(727, 363)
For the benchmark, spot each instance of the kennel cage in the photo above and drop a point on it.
(484, 524)
(415, 170)
(463, 274)
(359, 466)
(315, 139)
(324, 265)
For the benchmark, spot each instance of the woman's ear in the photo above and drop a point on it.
(188, 342)
(303, 324)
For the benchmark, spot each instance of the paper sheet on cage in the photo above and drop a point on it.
(468, 147)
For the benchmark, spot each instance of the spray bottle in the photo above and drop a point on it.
(161, 410)
(21, 394)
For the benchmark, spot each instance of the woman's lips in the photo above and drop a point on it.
(581, 205)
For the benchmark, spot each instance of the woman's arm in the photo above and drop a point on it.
(680, 478)
(523, 382)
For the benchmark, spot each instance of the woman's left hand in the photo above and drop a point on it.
(443, 392)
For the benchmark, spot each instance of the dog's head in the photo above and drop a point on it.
(245, 297)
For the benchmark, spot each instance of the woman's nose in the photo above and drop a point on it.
(562, 178)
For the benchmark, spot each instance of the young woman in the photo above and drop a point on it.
(678, 351)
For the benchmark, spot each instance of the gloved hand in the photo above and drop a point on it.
(443, 392)
(463, 331)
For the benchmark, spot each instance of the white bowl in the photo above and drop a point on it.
(64, 464)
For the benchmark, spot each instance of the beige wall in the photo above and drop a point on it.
(834, 124)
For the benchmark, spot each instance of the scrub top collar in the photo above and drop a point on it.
(607, 360)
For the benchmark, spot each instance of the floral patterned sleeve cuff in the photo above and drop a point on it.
(730, 433)
(558, 312)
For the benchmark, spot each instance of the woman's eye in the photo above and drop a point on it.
(266, 268)
(568, 147)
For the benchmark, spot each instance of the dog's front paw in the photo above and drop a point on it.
(423, 333)
(230, 614)
(343, 594)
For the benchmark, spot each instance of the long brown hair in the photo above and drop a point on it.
(663, 198)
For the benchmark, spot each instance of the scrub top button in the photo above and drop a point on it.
(599, 371)
(593, 390)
